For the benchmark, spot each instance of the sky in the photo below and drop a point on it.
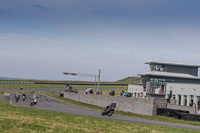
(41, 39)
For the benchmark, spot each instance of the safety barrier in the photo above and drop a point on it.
(144, 106)
(178, 114)
(9, 82)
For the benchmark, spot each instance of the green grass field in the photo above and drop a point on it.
(29, 86)
(50, 86)
(15, 119)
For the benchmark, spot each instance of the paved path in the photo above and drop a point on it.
(47, 103)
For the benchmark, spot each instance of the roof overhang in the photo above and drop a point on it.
(171, 63)
(168, 74)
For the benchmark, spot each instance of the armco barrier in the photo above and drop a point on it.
(190, 117)
(181, 107)
(176, 113)
(144, 106)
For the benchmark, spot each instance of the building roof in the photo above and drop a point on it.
(169, 74)
(171, 63)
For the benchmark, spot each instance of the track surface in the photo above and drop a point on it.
(50, 104)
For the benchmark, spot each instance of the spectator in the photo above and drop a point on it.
(191, 104)
(99, 93)
(91, 91)
(129, 94)
(122, 93)
(141, 94)
(70, 89)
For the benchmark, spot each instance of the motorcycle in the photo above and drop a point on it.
(109, 110)
(33, 102)
(23, 97)
(17, 97)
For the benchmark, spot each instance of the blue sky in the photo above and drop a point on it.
(40, 39)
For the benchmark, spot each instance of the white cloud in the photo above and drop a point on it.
(56, 42)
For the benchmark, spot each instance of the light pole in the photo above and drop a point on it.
(86, 75)
(98, 80)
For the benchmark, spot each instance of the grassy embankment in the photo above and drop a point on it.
(19, 119)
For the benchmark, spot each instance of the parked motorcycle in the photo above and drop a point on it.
(112, 93)
(109, 110)
(33, 102)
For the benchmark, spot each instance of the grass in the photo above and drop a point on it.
(130, 80)
(30, 86)
(50, 86)
(2, 91)
(156, 118)
(101, 86)
(20, 120)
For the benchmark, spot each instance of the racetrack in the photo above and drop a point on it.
(50, 104)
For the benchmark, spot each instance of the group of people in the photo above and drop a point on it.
(89, 91)
(123, 93)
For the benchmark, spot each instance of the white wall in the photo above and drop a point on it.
(177, 88)
(183, 89)
(136, 89)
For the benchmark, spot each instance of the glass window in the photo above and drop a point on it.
(155, 67)
(145, 79)
(156, 80)
(157, 88)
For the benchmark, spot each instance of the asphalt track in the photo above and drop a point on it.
(50, 104)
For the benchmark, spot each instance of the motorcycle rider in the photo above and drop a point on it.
(17, 95)
(113, 105)
(110, 109)
(32, 91)
(23, 95)
(35, 97)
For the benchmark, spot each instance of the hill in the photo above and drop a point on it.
(130, 80)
